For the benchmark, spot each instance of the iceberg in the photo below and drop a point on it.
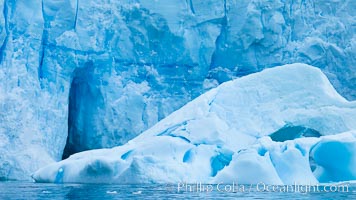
(77, 75)
(232, 133)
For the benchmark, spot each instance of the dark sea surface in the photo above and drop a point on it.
(28, 190)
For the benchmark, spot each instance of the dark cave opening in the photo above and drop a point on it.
(83, 102)
(290, 132)
(73, 107)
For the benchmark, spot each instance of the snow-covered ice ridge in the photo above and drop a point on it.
(283, 125)
(109, 70)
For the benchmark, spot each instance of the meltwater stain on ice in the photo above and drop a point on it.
(126, 155)
(188, 156)
(59, 176)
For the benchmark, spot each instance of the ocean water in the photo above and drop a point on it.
(28, 190)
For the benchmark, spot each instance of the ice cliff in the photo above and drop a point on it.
(231, 133)
(86, 74)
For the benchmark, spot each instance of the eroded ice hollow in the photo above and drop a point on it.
(283, 125)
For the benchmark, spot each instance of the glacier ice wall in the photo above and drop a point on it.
(121, 66)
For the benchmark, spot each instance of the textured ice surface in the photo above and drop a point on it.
(223, 136)
(121, 66)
